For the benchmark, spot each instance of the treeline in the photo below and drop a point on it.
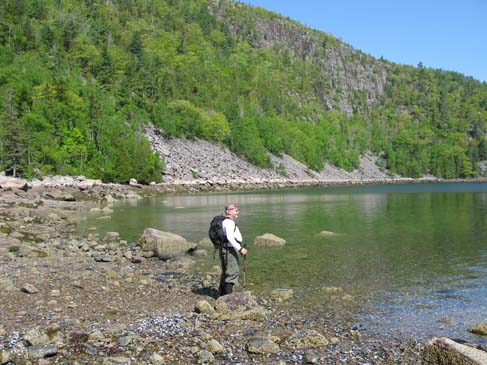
(436, 122)
(79, 80)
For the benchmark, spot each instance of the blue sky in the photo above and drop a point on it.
(442, 34)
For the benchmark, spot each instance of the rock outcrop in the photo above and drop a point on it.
(351, 81)
(443, 351)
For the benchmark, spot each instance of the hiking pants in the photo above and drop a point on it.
(230, 266)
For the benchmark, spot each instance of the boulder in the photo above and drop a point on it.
(206, 243)
(307, 338)
(443, 351)
(165, 244)
(204, 307)
(180, 263)
(269, 240)
(282, 294)
(214, 347)
(200, 253)
(39, 352)
(261, 345)
(239, 305)
(479, 329)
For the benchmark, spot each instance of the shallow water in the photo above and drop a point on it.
(411, 258)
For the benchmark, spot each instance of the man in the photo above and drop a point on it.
(229, 253)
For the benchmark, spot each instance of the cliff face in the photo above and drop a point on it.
(350, 81)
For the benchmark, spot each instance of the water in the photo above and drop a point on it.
(411, 258)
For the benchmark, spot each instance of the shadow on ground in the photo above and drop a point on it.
(207, 292)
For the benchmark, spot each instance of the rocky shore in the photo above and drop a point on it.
(70, 299)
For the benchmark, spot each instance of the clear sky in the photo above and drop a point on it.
(442, 34)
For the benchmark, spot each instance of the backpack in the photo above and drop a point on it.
(216, 234)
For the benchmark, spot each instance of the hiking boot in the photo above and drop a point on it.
(228, 288)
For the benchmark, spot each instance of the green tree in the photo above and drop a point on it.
(13, 137)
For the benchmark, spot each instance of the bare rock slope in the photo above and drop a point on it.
(193, 160)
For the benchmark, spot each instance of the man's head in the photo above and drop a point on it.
(231, 210)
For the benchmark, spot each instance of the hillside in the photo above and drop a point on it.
(80, 80)
(201, 161)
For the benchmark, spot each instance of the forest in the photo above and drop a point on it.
(81, 79)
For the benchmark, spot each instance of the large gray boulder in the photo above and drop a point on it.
(269, 240)
(239, 305)
(443, 351)
(166, 245)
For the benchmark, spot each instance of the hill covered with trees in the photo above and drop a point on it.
(80, 79)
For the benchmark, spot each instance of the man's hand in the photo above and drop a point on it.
(243, 251)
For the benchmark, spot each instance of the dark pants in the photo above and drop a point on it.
(230, 270)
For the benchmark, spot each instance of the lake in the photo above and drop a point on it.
(409, 259)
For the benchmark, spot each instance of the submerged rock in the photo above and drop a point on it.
(282, 294)
(328, 234)
(479, 329)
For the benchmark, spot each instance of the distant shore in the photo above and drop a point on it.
(93, 186)
(258, 184)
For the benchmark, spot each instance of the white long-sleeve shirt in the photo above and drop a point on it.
(233, 233)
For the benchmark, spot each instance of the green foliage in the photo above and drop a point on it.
(79, 81)
(442, 124)
(182, 119)
(246, 142)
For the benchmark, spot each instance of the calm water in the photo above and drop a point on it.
(413, 257)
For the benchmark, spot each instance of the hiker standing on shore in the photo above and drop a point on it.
(230, 250)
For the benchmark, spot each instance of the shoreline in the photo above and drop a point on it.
(85, 185)
(266, 184)
(87, 299)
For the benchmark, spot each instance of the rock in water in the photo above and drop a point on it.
(269, 240)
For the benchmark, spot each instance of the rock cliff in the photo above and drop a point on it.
(350, 81)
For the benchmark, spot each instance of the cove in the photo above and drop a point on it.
(408, 260)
